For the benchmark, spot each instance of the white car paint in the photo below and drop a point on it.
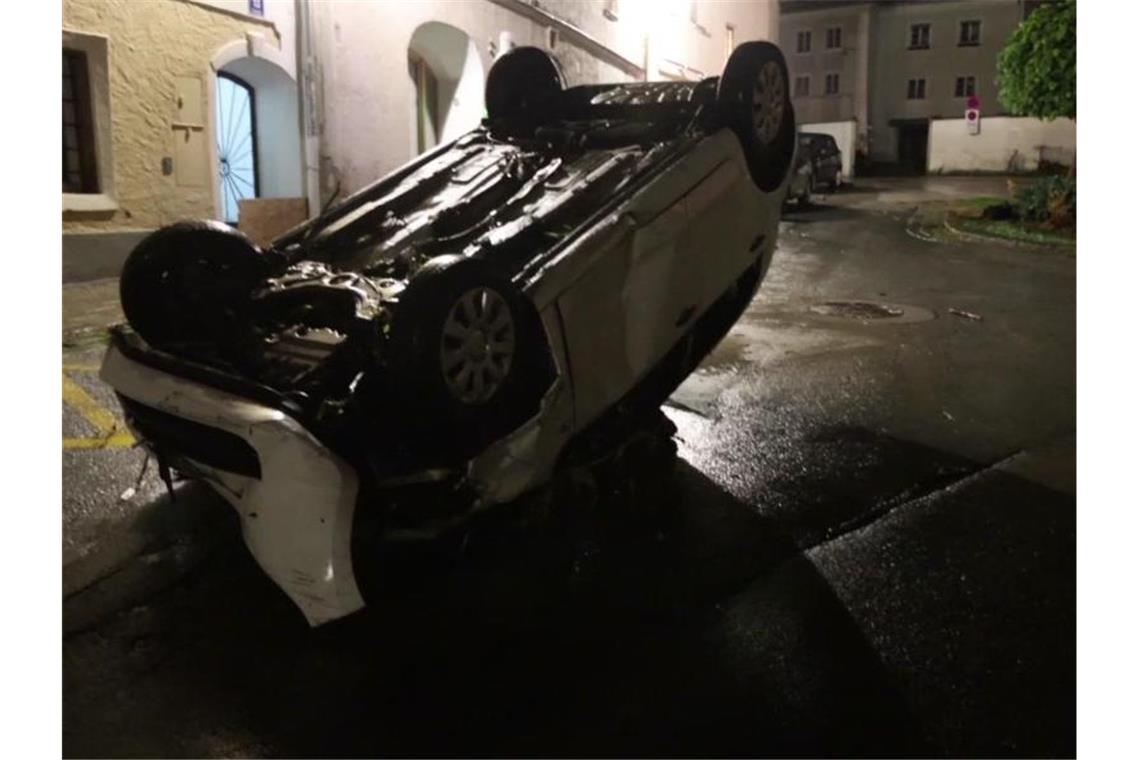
(297, 518)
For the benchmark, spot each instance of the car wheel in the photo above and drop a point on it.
(188, 281)
(522, 84)
(470, 359)
(753, 91)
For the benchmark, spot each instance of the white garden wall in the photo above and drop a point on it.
(844, 133)
(1004, 144)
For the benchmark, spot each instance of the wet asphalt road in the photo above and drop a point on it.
(865, 545)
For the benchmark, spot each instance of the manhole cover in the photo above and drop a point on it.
(867, 311)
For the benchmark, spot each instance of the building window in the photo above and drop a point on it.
(964, 87)
(831, 84)
(802, 87)
(919, 36)
(88, 153)
(834, 38)
(80, 173)
(803, 42)
(969, 33)
(916, 89)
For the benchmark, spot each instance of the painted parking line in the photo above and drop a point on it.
(112, 432)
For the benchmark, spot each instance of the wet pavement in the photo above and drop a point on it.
(864, 545)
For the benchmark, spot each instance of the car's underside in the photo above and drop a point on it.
(464, 324)
(319, 322)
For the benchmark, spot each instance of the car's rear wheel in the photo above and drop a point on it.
(522, 85)
(187, 282)
(753, 92)
(470, 360)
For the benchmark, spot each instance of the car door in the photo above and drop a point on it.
(620, 317)
(665, 259)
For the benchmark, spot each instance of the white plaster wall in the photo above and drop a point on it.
(1004, 143)
(465, 110)
(845, 134)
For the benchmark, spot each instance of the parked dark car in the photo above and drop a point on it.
(825, 158)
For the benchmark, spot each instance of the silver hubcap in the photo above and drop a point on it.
(477, 345)
(768, 97)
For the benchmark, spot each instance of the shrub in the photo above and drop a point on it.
(1049, 199)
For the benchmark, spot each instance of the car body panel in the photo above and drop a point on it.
(297, 517)
(653, 253)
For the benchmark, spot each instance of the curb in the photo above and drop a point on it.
(980, 238)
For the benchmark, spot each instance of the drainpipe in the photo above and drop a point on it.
(308, 79)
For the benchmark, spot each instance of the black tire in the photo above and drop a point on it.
(522, 85)
(441, 412)
(767, 131)
(189, 281)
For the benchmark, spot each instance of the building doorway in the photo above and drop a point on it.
(913, 138)
(257, 134)
(237, 143)
(447, 75)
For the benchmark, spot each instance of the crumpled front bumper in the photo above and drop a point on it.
(296, 513)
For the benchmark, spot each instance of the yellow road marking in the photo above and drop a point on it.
(81, 368)
(121, 440)
(112, 432)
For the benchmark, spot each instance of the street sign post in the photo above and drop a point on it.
(973, 115)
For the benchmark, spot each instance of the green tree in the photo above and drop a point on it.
(1037, 70)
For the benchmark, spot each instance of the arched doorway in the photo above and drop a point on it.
(445, 68)
(258, 134)
(237, 143)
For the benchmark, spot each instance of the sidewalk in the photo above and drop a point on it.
(122, 537)
(89, 308)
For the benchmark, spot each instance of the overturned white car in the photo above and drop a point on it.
(452, 329)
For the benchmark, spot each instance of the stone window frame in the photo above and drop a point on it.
(96, 49)
(910, 40)
(828, 90)
(968, 82)
(803, 42)
(806, 79)
(966, 41)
